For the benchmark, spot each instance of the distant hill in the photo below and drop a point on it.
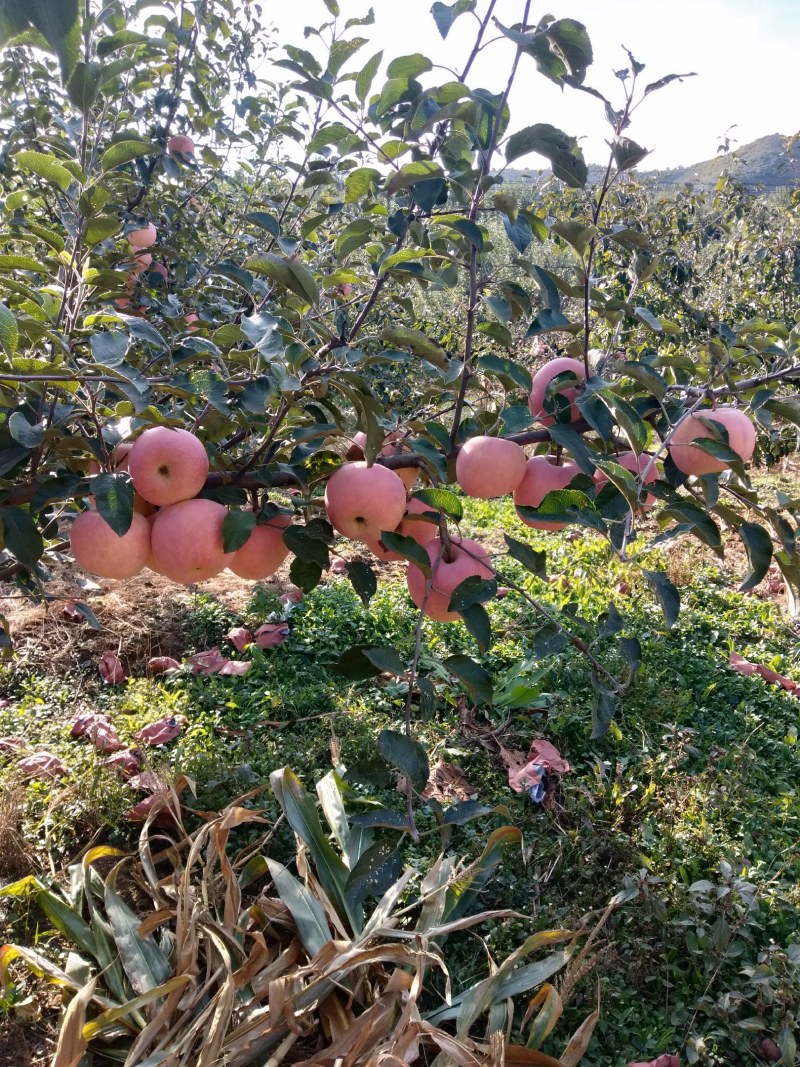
(765, 162)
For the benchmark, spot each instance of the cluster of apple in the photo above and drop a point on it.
(179, 534)
(173, 532)
(140, 239)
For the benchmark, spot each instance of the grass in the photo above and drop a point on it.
(690, 801)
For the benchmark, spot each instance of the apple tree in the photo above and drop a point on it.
(220, 256)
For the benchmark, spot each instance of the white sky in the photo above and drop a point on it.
(746, 54)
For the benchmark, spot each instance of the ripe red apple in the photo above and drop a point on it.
(190, 320)
(187, 540)
(263, 551)
(143, 237)
(691, 460)
(160, 270)
(98, 549)
(636, 465)
(167, 465)
(180, 143)
(490, 466)
(362, 501)
(543, 476)
(392, 444)
(542, 379)
(457, 564)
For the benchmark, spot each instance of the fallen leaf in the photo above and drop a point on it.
(208, 662)
(124, 760)
(235, 667)
(662, 1061)
(162, 665)
(149, 782)
(502, 592)
(292, 596)
(339, 566)
(111, 670)
(42, 765)
(164, 807)
(104, 737)
(73, 613)
(548, 756)
(161, 731)
(447, 782)
(11, 744)
(240, 637)
(271, 634)
(81, 723)
(747, 668)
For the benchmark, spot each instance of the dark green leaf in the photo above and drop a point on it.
(408, 548)
(473, 590)
(466, 811)
(603, 709)
(532, 559)
(562, 150)
(20, 535)
(310, 549)
(386, 659)
(236, 528)
(305, 575)
(477, 622)
(444, 15)
(375, 872)
(114, 496)
(758, 545)
(355, 666)
(666, 594)
(631, 651)
(381, 817)
(477, 680)
(363, 579)
(548, 641)
(407, 755)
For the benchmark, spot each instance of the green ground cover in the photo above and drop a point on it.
(691, 798)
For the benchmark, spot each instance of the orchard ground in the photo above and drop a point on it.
(691, 798)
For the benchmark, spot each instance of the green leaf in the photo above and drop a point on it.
(376, 871)
(411, 173)
(409, 66)
(305, 909)
(301, 815)
(627, 153)
(441, 500)
(101, 227)
(20, 535)
(603, 708)
(46, 167)
(381, 817)
(628, 420)
(419, 343)
(31, 436)
(144, 963)
(758, 544)
(333, 7)
(407, 755)
(355, 665)
(114, 496)
(109, 348)
(444, 15)
(578, 235)
(125, 152)
(562, 150)
(648, 318)
(470, 231)
(9, 334)
(503, 367)
(67, 921)
(363, 580)
(519, 231)
(84, 85)
(286, 272)
(464, 812)
(477, 680)
(366, 76)
(666, 595)
(530, 558)
(58, 21)
(236, 528)
(265, 221)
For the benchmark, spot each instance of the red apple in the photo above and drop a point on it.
(167, 465)
(636, 465)
(457, 564)
(363, 501)
(142, 261)
(542, 476)
(98, 549)
(542, 379)
(190, 321)
(180, 143)
(263, 551)
(143, 236)
(691, 460)
(421, 531)
(490, 466)
(187, 540)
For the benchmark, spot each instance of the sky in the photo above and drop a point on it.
(746, 55)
